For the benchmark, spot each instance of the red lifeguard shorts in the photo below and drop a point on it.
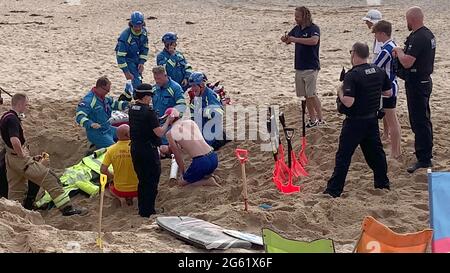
(123, 194)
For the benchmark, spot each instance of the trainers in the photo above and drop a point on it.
(70, 210)
(419, 165)
(159, 210)
(312, 124)
(387, 187)
(332, 194)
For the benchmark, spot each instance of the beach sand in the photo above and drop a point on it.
(55, 52)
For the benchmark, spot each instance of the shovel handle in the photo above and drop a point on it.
(4, 91)
(242, 155)
(303, 117)
(289, 133)
(103, 180)
(245, 191)
(282, 120)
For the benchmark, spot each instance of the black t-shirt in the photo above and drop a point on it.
(142, 121)
(421, 44)
(306, 57)
(365, 83)
(10, 126)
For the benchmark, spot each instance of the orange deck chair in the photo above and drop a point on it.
(378, 238)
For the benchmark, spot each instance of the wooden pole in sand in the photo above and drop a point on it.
(103, 179)
(242, 155)
(244, 178)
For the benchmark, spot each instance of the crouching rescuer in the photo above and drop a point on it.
(21, 167)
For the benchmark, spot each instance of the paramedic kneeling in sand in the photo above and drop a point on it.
(186, 136)
(125, 182)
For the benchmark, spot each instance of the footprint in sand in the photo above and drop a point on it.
(421, 206)
(285, 208)
(384, 213)
(420, 187)
(310, 203)
(377, 192)
(423, 218)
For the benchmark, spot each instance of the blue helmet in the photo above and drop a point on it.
(197, 78)
(169, 37)
(137, 18)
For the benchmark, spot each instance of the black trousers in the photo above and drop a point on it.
(363, 132)
(147, 166)
(418, 97)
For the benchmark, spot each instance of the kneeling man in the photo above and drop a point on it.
(185, 136)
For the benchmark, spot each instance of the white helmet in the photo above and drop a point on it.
(373, 16)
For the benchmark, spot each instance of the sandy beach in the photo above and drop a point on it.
(54, 52)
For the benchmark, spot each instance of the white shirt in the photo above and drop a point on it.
(377, 47)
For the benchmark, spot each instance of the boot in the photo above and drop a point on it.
(70, 210)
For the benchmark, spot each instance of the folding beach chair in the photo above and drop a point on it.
(274, 243)
(378, 238)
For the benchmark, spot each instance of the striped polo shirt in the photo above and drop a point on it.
(384, 60)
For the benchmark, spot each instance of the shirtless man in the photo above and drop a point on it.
(185, 136)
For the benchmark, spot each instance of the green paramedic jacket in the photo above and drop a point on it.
(78, 177)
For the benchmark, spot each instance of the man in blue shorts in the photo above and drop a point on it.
(185, 136)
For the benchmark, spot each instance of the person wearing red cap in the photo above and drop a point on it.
(185, 136)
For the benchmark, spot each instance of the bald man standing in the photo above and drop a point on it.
(125, 182)
(416, 63)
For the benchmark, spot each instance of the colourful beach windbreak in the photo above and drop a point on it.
(439, 189)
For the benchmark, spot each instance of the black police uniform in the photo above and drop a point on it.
(364, 83)
(144, 153)
(420, 44)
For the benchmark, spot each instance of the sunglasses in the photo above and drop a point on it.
(104, 89)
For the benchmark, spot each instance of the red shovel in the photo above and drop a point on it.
(290, 188)
(283, 175)
(297, 168)
(280, 173)
(242, 155)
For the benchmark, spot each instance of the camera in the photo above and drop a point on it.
(399, 70)
(339, 105)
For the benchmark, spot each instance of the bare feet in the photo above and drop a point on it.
(210, 181)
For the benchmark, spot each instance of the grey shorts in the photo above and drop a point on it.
(305, 82)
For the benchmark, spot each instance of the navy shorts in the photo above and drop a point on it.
(390, 103)
(200, 167)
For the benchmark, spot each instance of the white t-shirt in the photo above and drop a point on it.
(377, 47)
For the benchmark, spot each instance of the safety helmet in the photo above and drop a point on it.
(197, 78)
(137, 18)
(169, 37)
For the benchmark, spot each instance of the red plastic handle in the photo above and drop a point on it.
(242, 155)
